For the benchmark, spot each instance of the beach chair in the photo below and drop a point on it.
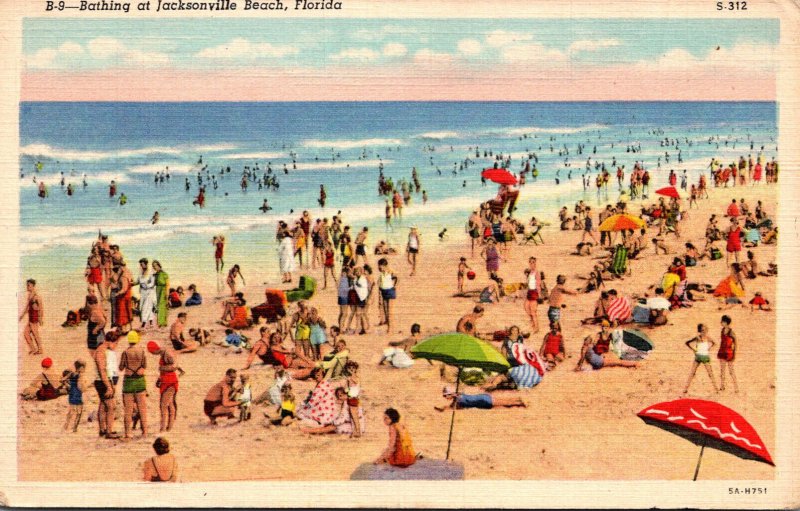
(336, 369)
(305, 289)
(273, 308)
(619, 264)
(532, 236)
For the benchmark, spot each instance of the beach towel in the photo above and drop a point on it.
(525, 376)
(620, 309)
(528, 357)
(620, 264)
(321, 405)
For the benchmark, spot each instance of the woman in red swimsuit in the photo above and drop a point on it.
(219, 244)
(734, 241)
(167, 383)
(33, 308)
(727, 353)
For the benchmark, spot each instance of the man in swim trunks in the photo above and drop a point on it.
(556, 301)
(361, 247)
(218, 402)
(181, 344)
(483, 401)
(105, 359)
(468, 324)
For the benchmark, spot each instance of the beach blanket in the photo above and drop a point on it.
(619, 309)
(526, 356)
(320, 406)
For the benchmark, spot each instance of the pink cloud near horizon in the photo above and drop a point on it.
(430, 83)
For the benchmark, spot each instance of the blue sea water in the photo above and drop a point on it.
(341, 146)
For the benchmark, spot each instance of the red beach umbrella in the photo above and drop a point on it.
(669, 191)
(708, 424)
(499, 176)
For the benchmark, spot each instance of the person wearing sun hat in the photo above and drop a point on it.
(167, 383)
(133, 363)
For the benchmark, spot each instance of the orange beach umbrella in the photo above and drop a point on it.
(622, 222)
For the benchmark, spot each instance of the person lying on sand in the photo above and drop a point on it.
(484, 401)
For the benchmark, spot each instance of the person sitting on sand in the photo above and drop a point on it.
(319, 408)
(228, 306)
(400, 452)
(194, 297)
(397, 352)
(759, 303)
(584, 248)
(552, 349)
(163, 467)
(42, 387)
(218, 401)
(179, 342)
(270, 350)
(596, 351)
(468, 324)
(484, 401)
(600, 310)
(342, 421)
(286, 407)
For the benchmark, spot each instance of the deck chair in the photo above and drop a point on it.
(335, 369)
(532, 236)
(273, 308)
(305, 289)
(619, 264)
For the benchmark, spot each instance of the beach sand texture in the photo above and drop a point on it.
(578, 425)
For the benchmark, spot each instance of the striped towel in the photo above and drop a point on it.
(525, 376)
(527, 357)
(619, 309)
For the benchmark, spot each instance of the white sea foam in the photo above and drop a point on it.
(437, 135)
(564, 130)
(255, 156)
(52, 180)
(342, 164)
(152, 168)
(56, 153)
(352, 144)
(45, 151)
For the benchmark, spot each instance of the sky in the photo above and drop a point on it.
(206, 59)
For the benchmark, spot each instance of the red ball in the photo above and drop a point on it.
(471, 275)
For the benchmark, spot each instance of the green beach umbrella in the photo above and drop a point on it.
(460, 350)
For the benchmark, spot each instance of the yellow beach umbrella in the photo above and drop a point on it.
(623, 222)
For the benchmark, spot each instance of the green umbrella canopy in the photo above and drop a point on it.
(461, 350)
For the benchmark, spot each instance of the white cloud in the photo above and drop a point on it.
(469, 46)
(99, 52)
(241, 48)
(742, 56)
(499, 38)
(395, 50)
(532, 52)
(356, 54)
(380, 33)
(428, 56)
(593, 44)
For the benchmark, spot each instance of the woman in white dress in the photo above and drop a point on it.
(147, 295)
(286, 256)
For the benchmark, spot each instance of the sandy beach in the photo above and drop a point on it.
(578, 425)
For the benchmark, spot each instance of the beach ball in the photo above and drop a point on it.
(471, 275)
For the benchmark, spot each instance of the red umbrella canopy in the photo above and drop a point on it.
(499, 176)
(708, 423)
(669, 191)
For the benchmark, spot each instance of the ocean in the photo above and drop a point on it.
(339, 145)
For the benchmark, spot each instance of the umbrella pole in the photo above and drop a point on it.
(697, 469)
(453, 416)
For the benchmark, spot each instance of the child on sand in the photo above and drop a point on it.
(245, 397)
(552, 349)
(701, 346)
(760, 303)
(727, 353)
(462, 272)
(76, 385)
(286, 408)
(353, 392)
